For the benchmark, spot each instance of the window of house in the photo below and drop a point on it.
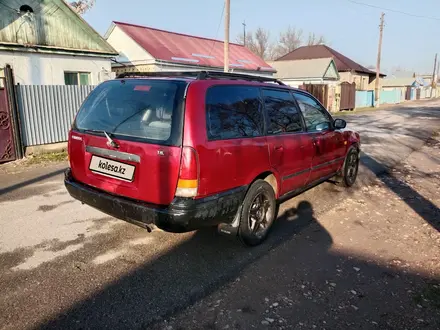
(233, 112)
(77, 78)
(315, 116)
(283, 115)
(364, 83)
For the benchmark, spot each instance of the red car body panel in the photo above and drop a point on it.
(329, 153)
(295, 159)
(291, 156)
(224, 164)
(155, 177)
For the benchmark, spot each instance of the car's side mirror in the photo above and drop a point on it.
(340, 123)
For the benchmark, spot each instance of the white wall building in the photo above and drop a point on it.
(47, 43)
(51, 69)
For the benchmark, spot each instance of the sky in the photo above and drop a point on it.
(409, 42)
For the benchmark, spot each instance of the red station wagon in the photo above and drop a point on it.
(189, 150)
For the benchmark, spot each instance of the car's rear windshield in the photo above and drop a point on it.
(137, 109)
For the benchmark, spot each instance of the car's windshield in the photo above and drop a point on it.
(147, 109)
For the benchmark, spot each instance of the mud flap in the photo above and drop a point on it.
(230, 229)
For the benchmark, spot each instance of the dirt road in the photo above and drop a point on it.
(372, 262)
(65, 265)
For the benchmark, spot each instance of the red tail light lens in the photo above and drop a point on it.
(189, 173)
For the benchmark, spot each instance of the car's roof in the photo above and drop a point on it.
(201, 75)
(187, 79)
(214, 81)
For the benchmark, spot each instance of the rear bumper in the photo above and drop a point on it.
(182, 215)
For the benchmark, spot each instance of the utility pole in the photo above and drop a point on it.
(436, 79)
(244, 33)
(379, 51)
(438, 68)
(433, 82)
(226, 42)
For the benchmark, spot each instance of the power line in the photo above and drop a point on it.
(394, 10)
(218, 29)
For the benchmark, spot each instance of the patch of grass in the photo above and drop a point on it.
(47, 158)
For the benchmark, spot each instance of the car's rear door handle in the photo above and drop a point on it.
(279, 148)
(315, 143)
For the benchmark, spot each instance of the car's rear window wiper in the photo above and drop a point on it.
(110, 141)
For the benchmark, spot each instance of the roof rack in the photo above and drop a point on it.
(201, 75)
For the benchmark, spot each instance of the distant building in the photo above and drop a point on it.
(47, 43)
(299, 72)
(403, 82)
(146, 49)
(349, 70)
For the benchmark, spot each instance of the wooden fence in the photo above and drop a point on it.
(320, 91)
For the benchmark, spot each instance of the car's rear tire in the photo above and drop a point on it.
(257, 214)
(350, 168)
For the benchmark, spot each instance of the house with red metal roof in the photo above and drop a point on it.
(146, 49)
(349, 70)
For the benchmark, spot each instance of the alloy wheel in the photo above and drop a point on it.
(259, 214)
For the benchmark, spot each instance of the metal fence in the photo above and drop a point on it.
(391, 96)
(364, 99)
(47, 112)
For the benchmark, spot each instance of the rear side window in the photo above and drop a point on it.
(282, 112)
(147, 110)
(233, 112)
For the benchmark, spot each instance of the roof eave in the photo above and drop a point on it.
(87, 24)
(370, 73)
(52, 49)
(109, 30)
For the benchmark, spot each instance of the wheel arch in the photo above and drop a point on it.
(354, 140)
(353, 144)
(272, 179)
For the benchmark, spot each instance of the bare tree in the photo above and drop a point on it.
(288, 41)
(82, 6)
(249, 42)
(258, 42)
(291, 39)
(262, 43)
(313, 39)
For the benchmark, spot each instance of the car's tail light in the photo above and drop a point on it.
(189, 174)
